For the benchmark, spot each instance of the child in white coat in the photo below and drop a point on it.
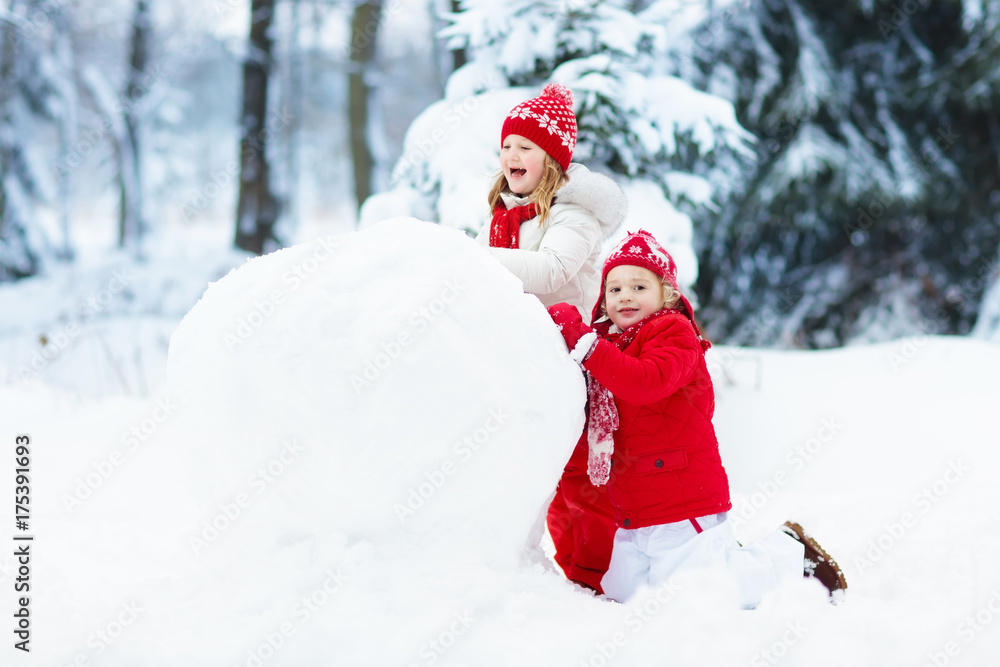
(549, 219)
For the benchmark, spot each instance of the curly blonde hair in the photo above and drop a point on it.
(671, 297)
(553, 178)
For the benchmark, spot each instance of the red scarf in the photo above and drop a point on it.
(602, 412)
(506, 226)
(623, 339)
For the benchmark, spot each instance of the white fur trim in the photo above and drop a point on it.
(582, 348)
(596, 193)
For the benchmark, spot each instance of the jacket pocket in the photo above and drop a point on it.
(661, 461)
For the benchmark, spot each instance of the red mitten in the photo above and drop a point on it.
(570, 324)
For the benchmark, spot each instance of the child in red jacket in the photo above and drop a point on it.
(651, 437)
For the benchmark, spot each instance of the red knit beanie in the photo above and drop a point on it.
(641, 249)
(547, 120)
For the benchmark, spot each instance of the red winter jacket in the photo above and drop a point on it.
(666, 465)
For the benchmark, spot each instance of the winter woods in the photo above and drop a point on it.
(258, 391)
(870, 206)
(830, 172)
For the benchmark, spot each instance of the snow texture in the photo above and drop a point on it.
(358, 432)
(255, 509)
(850, 443)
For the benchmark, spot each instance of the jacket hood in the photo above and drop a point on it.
(596, 193)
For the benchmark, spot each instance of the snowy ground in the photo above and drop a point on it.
(209, 527)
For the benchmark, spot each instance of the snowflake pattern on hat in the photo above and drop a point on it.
(642, 249)
(547, 120)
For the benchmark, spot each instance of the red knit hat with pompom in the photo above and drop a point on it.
(641, 249)
(547, 120)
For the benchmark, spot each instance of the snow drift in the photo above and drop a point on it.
(382, 415)
(250, 514)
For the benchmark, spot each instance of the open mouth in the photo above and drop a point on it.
(518, 172)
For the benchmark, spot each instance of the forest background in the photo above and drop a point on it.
(856, 200)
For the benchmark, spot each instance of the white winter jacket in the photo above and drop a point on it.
(558, 261)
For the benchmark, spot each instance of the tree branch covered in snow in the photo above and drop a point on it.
(871, 198)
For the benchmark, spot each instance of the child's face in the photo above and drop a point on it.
(523, 162)
(631, 293)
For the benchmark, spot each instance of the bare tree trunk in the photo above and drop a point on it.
(458, 56)
(294, 85)
(364, 27)
(131, 223)
(67, 123)
(257, 210)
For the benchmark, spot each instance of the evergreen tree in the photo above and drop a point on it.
(665, 140)
(30, 87)
(635, 118)
(871, 207)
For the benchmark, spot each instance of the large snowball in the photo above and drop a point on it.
(425, 394)
(368, 429)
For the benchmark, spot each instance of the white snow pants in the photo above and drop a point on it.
(649, 556)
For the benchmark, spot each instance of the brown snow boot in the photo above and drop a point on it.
(818, 563)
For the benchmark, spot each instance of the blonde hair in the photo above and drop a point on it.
(553, 178)
(671, 297)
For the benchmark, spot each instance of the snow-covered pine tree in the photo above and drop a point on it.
(31, 82)
(665, 140)
(871, 207)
